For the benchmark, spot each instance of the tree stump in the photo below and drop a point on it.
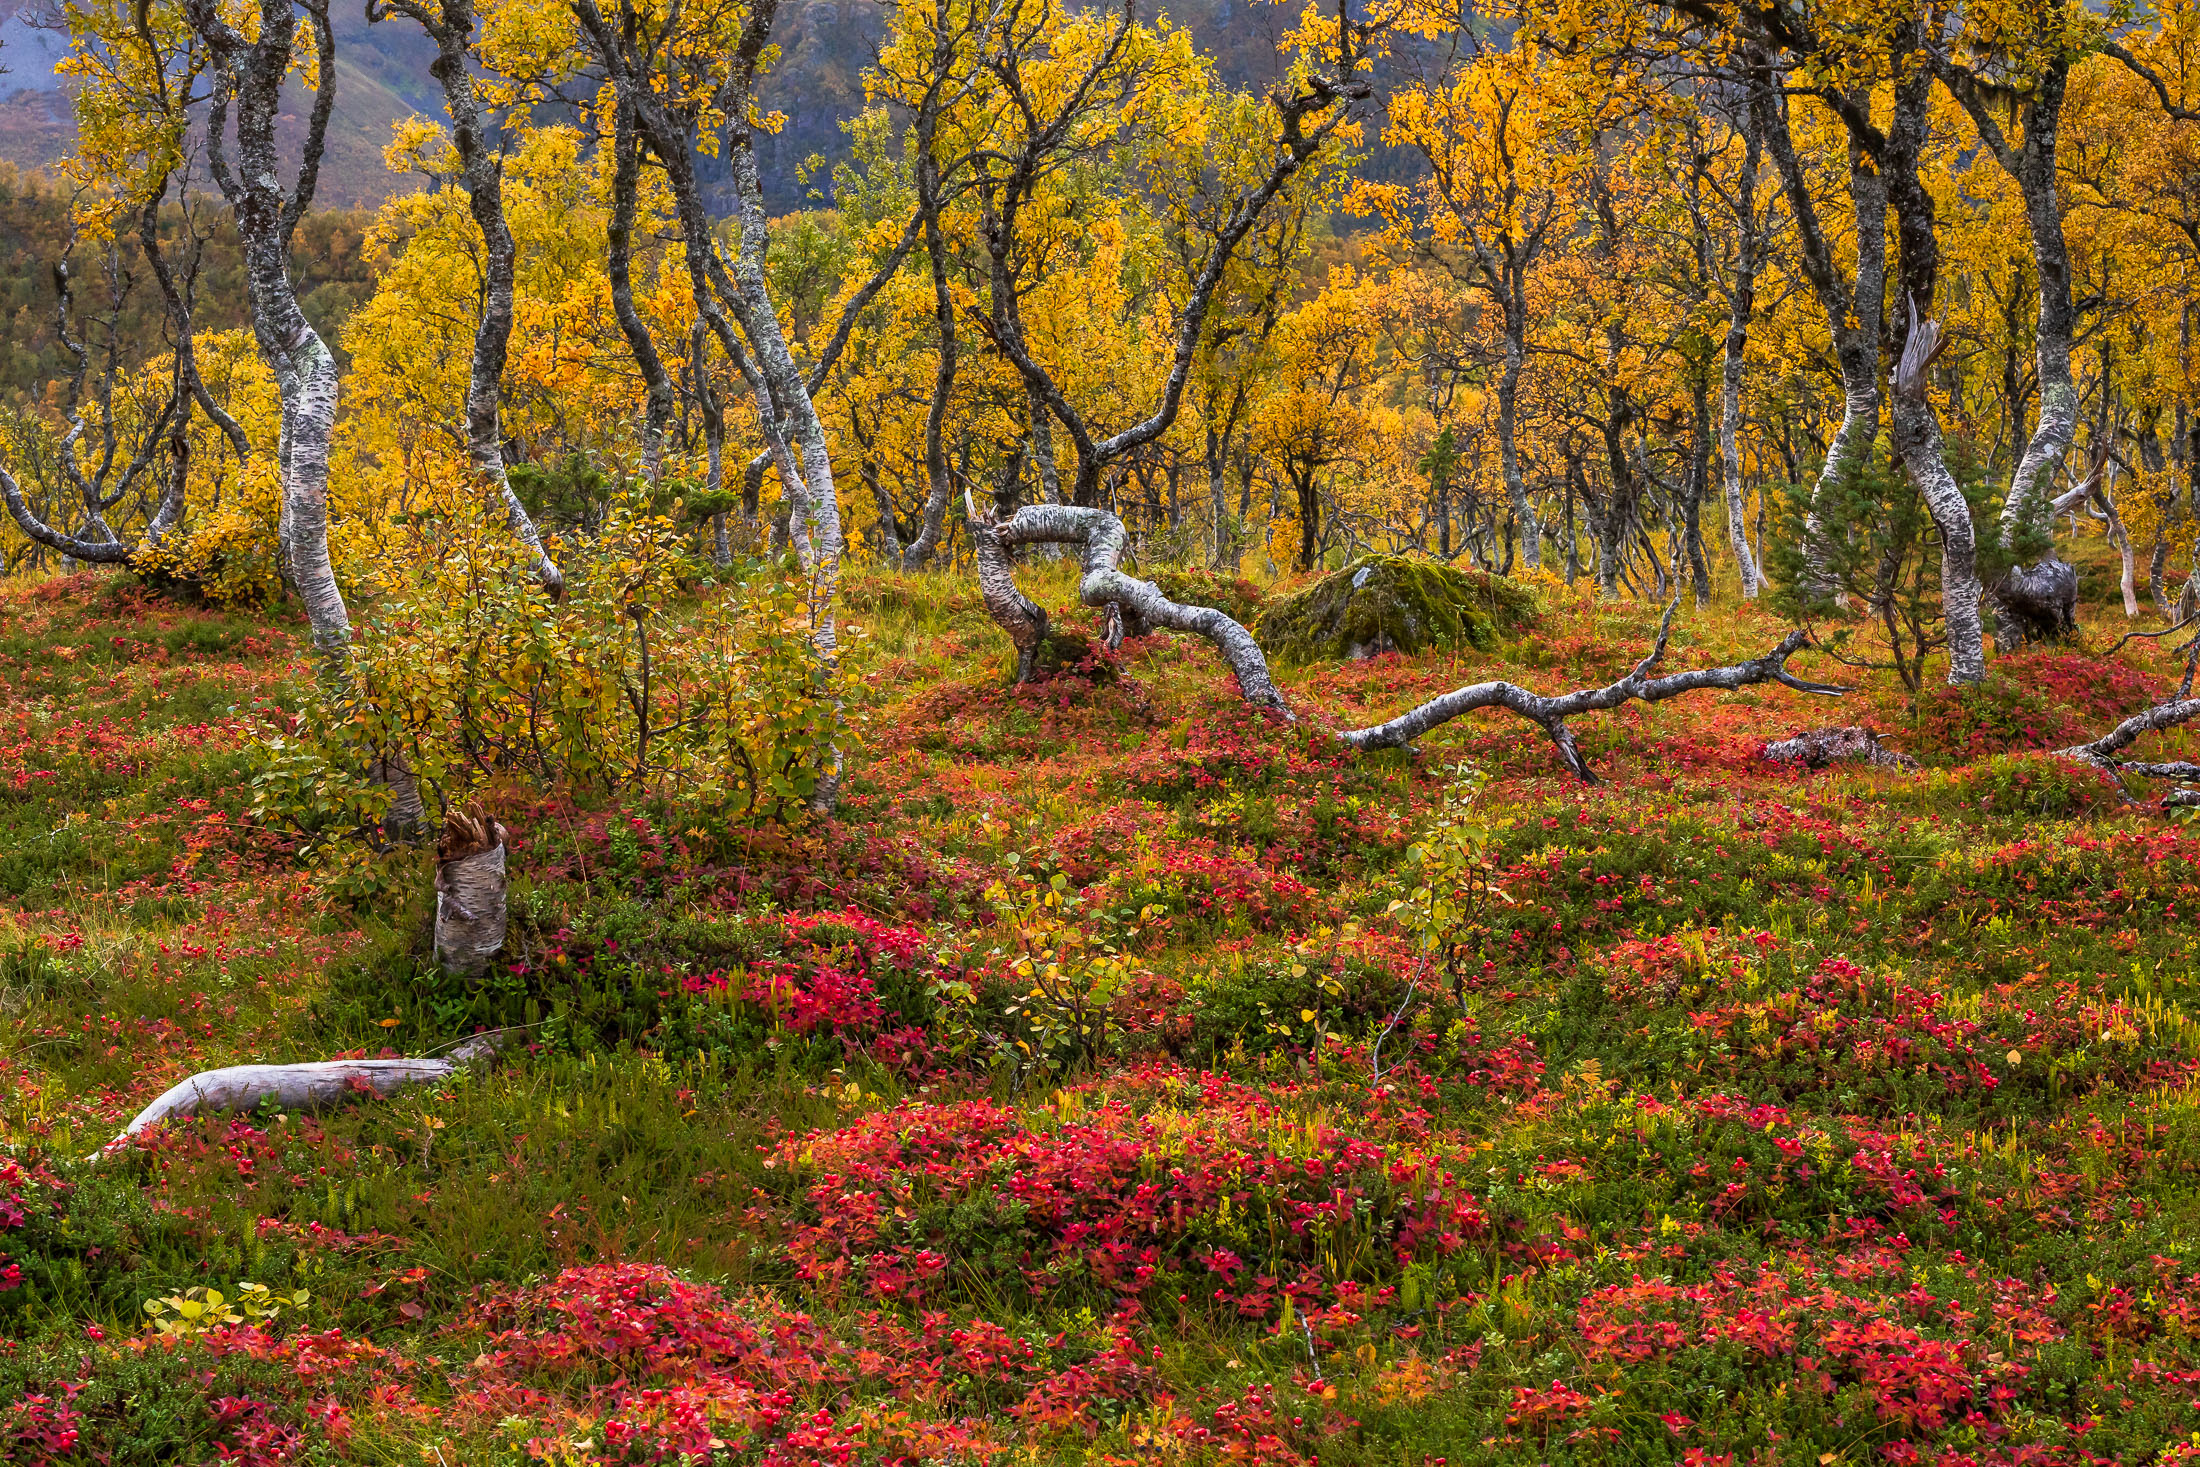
(469, 892)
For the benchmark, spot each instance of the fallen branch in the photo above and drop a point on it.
(1102, 539)
(1551, 713)
(2102, 752)
(469, 928)
(2183, 708)
(310, 1086)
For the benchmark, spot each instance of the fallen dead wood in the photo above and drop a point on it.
(310, 1086)
(1842, 744)
(2102, 752)
(470, 917)
(1552, 713)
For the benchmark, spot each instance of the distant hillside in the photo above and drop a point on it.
(329, 259)
(383, 77)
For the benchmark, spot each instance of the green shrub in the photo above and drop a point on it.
(470, 676)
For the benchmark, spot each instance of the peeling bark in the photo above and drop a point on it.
(251, 79)
(1848, 744)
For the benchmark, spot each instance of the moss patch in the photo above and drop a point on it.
(1393, 603)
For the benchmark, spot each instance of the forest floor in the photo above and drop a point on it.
(1032, 1109)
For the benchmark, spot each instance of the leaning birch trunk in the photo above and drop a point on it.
(469, 893)
(1730, 393)
(483, 170)
(2039, 602)
(1508, 439)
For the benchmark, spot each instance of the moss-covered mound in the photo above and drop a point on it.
(1393, 603)
(1238, 599)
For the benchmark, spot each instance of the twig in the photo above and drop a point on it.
(1375, 1058)
(2144, 636)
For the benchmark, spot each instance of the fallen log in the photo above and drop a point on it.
(311, 1086)
(2102, 752)
(470, 920)
(1842, 744)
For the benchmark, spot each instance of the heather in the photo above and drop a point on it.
(1120, 1073)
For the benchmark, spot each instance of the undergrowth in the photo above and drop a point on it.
(1120, 1074)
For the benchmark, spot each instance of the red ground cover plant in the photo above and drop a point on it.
(1121, 1195)
(661, 1366)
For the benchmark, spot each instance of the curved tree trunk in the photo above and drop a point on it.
(626, 176)
(1917, 442)
(1508, 439)
(1852, 308)
(482, 167)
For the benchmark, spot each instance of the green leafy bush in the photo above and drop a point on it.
(468, 675)
(1233, 596)
(2024, 784)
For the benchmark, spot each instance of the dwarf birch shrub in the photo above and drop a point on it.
(657, 676)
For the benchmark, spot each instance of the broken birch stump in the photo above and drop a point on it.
(469, 892)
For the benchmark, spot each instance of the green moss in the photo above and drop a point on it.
(1236, 598)
(1386, 603)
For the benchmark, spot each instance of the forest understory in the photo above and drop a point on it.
(1121, 1073)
